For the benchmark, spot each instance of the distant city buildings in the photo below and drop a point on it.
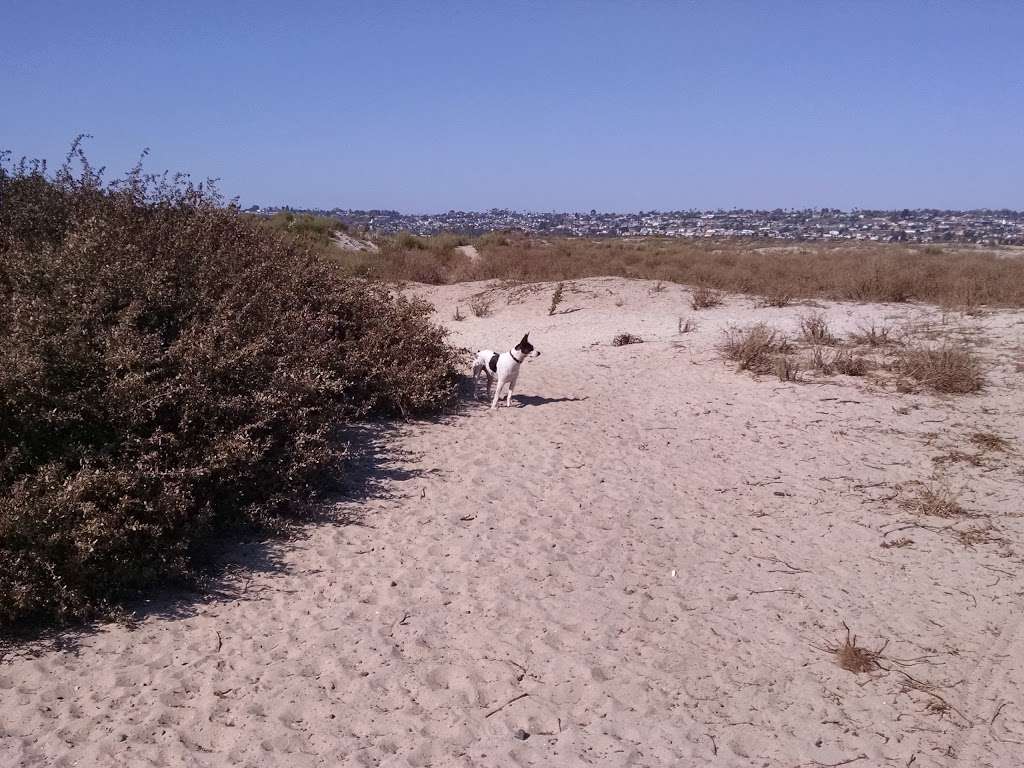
(984, 227)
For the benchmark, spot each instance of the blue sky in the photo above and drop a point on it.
(430, 106)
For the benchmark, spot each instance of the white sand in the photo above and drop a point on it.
(469, 251)
(646, 552)
(346, 242)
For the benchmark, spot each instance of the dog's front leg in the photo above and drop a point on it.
(497, 394)
(511, 386)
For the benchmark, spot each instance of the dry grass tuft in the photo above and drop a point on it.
(754, 348)
(949, 368)
(776, 299)
(556, 298)
(852, 657)
(970, 537)
(686, 326)
(705, 298)
(874, 336)
(849, 364)
(936, 501)
(787, 368)
(458, 316)
(814, 329)
(820, 362)
(626, 338)
(481, 306)
(990, 441)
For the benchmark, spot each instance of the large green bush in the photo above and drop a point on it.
(169, 370)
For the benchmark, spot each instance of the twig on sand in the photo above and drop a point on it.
(998, 710)
(766, 591)
(496, 710)
(792, 568)
(818, 764)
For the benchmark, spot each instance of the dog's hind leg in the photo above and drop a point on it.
(477, 367)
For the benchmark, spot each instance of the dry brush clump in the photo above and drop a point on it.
(874, 335)
(623, 339)
(481, 306)
(787, 368)
(853, 657)
(754, 348)
(776, 299)
(814, 329)
(947, 368)
(556, 298)
(705, 298)
(686, 325)
(171, 370)
(990, 441)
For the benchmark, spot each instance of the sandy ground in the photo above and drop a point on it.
(642, 563)
(346, 242)
(469, 251)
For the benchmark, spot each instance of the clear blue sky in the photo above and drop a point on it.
(429, 106)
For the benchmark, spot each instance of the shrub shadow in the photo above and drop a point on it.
(375, 468)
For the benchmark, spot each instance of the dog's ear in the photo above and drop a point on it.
(526, 339)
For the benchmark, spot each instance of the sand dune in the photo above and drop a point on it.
(640, 564)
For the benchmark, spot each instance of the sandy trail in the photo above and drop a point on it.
(632, 567)
(469, 251)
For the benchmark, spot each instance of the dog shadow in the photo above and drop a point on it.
(530, 400)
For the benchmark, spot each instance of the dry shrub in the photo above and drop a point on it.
(777, 299)
(873, 335)
(171, 370)
(948, 368)
(623, 339)
(787, 369)
(814, 329)
(754, 348)
(705, 298)
(481, 306)
(820, 361)
(686, 325)
(556, 298)
(849, 364)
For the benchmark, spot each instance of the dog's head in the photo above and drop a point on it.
(525, 348)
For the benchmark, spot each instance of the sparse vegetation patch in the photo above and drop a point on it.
(814, 330)
(948, 368)
(705, 298)
(754, 348)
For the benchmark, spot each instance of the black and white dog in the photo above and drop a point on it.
(504, 367)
